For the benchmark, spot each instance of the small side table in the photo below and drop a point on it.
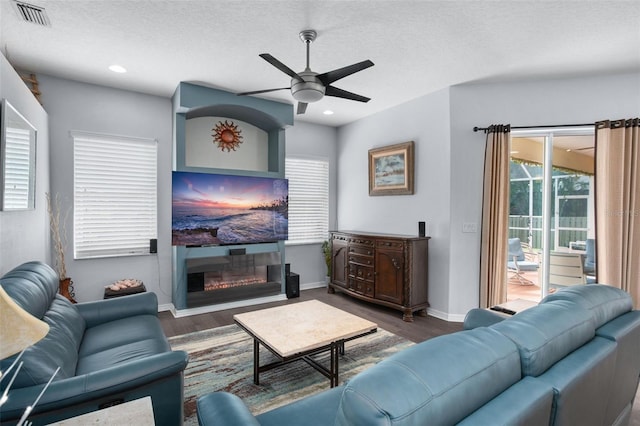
(138, 412)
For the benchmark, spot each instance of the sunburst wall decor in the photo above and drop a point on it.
(227, 136)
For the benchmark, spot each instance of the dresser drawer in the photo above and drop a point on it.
(365, 251)
(365, 242)
(360, 259)
(390, 244)
(361, 287)
(360, 272)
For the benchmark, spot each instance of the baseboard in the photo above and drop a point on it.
(166, 307)
(445, 316)
(309, 286)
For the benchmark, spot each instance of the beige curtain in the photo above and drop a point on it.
(495, 217)
(617, 202)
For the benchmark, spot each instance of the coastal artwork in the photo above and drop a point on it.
(391, 170)
(215, 209)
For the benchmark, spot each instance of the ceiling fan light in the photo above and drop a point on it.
(308, 95)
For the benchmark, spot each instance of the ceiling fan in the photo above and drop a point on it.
(309, 86)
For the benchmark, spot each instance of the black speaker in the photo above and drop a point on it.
(153, 245)
(422, 229)
(287, 269)
(293, 285)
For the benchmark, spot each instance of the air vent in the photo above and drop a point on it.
(31, 13)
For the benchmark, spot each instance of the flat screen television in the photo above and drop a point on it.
(216, 209)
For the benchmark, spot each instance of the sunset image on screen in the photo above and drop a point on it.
(215, 209)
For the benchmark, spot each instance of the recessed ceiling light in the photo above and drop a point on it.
(118, 68)
(328, 112)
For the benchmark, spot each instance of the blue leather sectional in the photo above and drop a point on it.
(109, 351)
(572, 360)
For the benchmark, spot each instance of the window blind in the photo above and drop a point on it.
(308, 199)
(115, 195)
(18, 162)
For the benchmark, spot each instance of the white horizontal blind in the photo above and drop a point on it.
(308, 199)
(18, 162)
(115, 195)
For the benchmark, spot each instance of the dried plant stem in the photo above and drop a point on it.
(57, 224)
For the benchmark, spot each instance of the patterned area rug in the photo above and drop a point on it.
(221, 359)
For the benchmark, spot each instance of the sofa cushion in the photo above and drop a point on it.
(582, 383)
(527, 402)
(547, 333)
(603, 301)
(118, 342)
(444, 378)
(625, 331)
(34, 287)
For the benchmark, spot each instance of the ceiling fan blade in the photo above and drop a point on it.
(302, 107)
(255, 92)
(335, 75)
(282, 67)
(339, 93)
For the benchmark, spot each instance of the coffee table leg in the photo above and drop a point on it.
(335, 347)
(256, 361)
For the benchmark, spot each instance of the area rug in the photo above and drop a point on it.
(221, 359)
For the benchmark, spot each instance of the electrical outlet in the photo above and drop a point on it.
(469, 227)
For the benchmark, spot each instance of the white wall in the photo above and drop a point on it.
(78, 106)
(531, 103)
(449, 165)
(306, 140)
(24, 235)
(202, 151)
(426, 122)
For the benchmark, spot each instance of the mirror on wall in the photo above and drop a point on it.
(18, 160)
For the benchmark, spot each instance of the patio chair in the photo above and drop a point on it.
(590, 258)
(521, 259)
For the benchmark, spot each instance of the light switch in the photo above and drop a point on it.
(469, 227)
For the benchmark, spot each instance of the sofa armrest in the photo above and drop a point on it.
(101, 384)
(481, 318)
(222, 408)
(101, 311)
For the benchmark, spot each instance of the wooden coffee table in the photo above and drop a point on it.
(299, 330)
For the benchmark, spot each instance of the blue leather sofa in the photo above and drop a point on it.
(109, 351)
(571, 360)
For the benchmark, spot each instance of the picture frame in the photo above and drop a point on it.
(391, 169)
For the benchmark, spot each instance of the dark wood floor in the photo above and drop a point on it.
(422, 328)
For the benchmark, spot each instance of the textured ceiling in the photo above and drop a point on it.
(418, 47)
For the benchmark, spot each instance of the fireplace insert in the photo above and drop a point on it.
(224, 279)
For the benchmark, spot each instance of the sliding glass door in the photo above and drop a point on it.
(551, 210)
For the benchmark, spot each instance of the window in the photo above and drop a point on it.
(115, 195)
(18, 162)
(308, 199)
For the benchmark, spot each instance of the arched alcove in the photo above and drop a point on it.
(197, 112)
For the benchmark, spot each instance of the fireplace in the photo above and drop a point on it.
(224, 279)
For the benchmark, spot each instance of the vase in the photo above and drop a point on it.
(66, 289)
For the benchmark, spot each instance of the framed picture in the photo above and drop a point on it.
(391, 169)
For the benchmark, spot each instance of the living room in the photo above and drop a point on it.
(448, 167)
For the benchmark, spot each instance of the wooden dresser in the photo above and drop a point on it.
(389, 270)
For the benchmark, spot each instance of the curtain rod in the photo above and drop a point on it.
(484, 129)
